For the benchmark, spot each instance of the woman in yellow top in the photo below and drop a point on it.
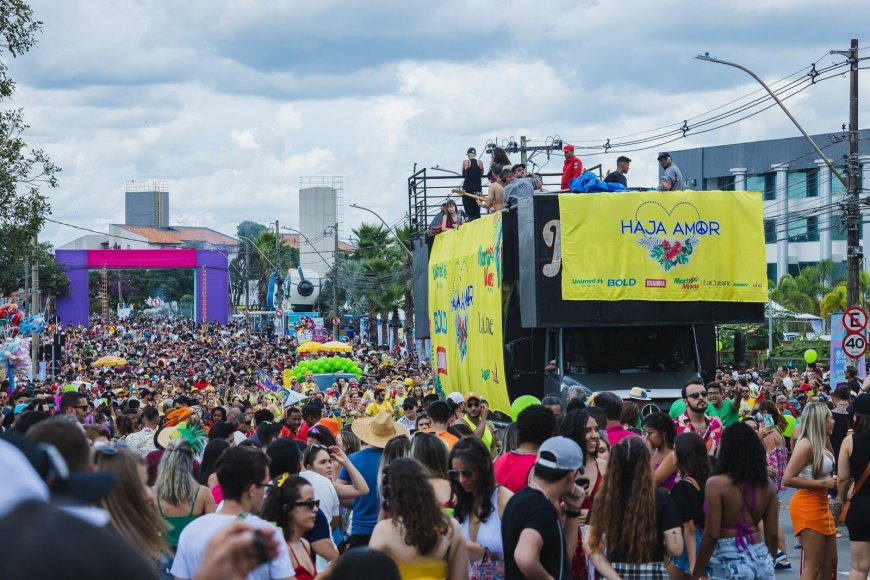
(380, 404)
(416, 534)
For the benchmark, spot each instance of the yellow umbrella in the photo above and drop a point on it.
(310, 347)
(109, 361)
(337, 346)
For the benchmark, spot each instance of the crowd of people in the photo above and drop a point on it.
(181, 462)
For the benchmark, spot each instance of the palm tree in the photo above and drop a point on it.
(373, 243)
(834, 301)
(789, 293)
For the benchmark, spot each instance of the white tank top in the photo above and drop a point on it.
(827, 468)
(489, 532)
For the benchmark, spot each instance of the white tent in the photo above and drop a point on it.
(780, 312)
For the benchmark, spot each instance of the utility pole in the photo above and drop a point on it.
(34, 307)
(854, 251)
(279, 282)
(524, 148)
(29, 308)
(335, 327)
(247, 276)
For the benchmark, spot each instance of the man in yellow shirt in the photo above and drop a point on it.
(380, 404)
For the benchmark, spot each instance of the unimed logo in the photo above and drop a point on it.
(656, 283)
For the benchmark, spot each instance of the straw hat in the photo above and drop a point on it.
(376, 431)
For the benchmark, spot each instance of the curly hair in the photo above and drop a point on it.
(535, 424)
(742, 456)
(473, 453)
(279, 502)
(633, 527)
(411, 501)
(662, 423)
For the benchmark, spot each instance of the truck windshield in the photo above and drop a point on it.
(630, 350)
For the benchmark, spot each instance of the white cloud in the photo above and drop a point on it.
(234, 102)
(244, 139)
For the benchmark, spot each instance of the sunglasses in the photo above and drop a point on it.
(311, 504)
(698, 395)
(472, 405)
(457, 473)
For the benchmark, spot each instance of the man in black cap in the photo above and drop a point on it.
(472, 171)
(672, 177)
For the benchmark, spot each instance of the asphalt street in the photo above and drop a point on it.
(843, 558)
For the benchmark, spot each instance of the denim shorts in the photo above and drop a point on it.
(754, 562)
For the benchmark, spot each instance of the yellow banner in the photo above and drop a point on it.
(465, 321)
(671, 246)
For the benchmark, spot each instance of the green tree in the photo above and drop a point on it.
(52, 279)
(245, 265)
(23, 171)
(834, 301)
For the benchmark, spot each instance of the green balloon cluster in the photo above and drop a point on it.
(326, 365)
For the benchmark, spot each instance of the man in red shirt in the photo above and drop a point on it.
(572, 168)
(535, 424)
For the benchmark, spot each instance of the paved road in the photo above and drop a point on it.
(843, 557)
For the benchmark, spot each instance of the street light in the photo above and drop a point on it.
(708, 58)
(436, 168)
(254, 244)
(328, 265)
(395, 233)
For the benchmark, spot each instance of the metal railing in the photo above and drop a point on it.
(426, 193)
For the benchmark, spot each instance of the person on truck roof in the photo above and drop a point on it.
(572, 167)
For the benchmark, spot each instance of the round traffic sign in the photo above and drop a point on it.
(855, 345)
(336, 321)
(279, 312)
(855, 319)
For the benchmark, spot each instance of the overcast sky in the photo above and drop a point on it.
(233, 101)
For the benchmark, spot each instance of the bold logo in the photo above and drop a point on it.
(440, 321)
(621, 282)
(656, 283)
(670, 236)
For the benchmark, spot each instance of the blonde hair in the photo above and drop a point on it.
(814, 429)
(175, 481)
(131, 511)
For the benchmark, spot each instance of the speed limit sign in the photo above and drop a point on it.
(855, 345)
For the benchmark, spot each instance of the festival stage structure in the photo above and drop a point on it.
(210, 277)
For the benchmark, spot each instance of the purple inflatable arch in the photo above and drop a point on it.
(211, 264)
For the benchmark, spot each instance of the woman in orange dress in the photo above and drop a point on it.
(810, 471)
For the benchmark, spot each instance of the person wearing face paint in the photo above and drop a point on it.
(479, 506)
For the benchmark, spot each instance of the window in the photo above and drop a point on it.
(813, 229)
(757, 183)
(797, 230)
(766, 183)
(812, 182)
(769, 231)
(797, 184)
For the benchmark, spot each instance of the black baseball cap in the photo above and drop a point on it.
(409, 403)
(663, 155)
(471, 151)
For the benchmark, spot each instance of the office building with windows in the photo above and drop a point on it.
(803, 214)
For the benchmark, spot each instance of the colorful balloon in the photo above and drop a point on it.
(810, 356)
(521, 403)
